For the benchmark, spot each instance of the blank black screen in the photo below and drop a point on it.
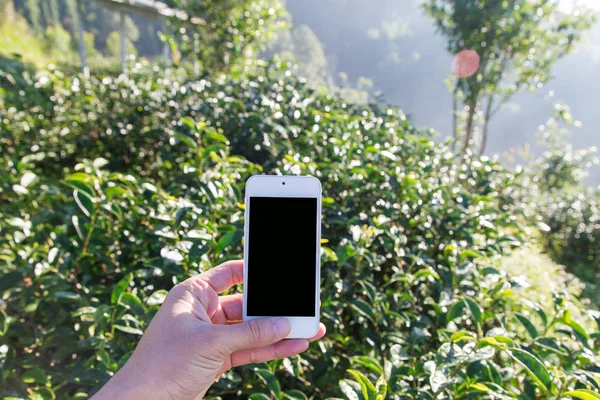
(282, 256)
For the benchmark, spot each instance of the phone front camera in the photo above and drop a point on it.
(283, 183)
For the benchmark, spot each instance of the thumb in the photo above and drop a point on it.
(254, 333)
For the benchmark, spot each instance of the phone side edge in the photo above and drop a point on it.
(246, 237)
(318, 263)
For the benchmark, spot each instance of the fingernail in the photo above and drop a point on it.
(282, 326)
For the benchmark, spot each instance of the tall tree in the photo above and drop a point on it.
(227, 34)
(34, 13)
(6, 9)
(302, 46)
(45, 12)
(518, 41)
(54, 13)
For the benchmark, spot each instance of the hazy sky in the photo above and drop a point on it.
(357, 37)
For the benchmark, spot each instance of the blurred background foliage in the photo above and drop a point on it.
(444, 274)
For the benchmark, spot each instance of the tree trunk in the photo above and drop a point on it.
(454, 116)
(488, 115)
(54, 13)
(454, 128)
(468, 128)
(46, 14)
(7, 11)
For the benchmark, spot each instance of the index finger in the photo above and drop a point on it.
(224, 276)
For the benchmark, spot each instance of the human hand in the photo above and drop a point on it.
(195, 337)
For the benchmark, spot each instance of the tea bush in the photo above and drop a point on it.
(552, 193)
(571, 211)
(117, 188)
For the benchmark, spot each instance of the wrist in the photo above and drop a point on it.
(128, 383)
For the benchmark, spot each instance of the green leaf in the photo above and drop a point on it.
(543, 227)
(3, 323)
(482, 353)
(364, 309)
(215, 136)
(210, 150)
(150, 187)
(480, 387)
(79, 177)
(578, 330)
(164, 231)
(534, 367)
(490, 271)
(456, 310)
(295, 395)
(120, 287)
(84, 311)
(132, 303)
(104, 358)
(503, 339)
(270, 381)
(20, 189)
(10, 280)
(350, 389)
(550, 344)
(475, 310)
(46, 393)
(198, 234)
(437, 376)
(129, 329)
(330, 254)
(426, 272)
(381, 388)
(115, 191)
(490, 341)
(84, 202)
(368, 362)
(189, 123)
(66, 295)
(540, 311)
(227, 240)
(186, 139)
(27, 179)
(327, 200)
(259, 396)
(583, 394)
(289, 367)
(528, 325)
(398, 354)
(78, 228)
(35, 375)
(388, 154)
(368, 390)
(369, 290)
(462, 335)
(99, 162)
(344, 253)
(468, 253)
(157, 298)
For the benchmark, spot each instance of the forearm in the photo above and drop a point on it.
(132, 382)
(128, 383)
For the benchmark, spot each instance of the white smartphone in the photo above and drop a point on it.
(282, 246)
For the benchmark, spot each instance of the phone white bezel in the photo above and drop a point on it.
(286, 186)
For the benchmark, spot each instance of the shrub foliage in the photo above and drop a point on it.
(117, 188)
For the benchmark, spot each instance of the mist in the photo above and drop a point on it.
(395, 45)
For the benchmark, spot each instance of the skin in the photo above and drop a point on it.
(195, 337)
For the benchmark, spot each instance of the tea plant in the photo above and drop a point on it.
(117, 188)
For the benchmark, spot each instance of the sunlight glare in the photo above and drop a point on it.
(568, 6)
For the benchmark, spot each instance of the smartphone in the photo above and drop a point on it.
(282, 246)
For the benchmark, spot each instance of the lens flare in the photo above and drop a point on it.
(465, 63)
